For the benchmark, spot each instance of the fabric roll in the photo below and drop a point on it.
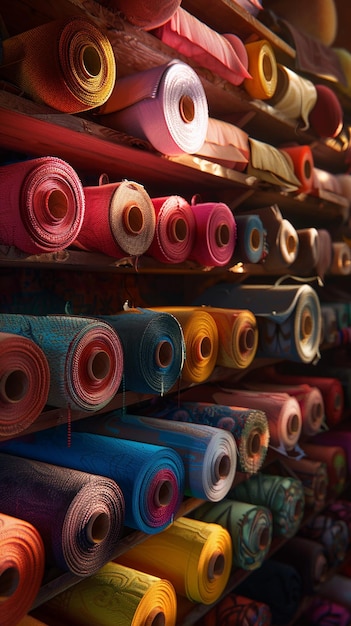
(318, 19)
(329, 326)
(21, 565)
(344, 183)
(165, 105)
(338, 589)
(262, 66)
(84, 354)
(42, 205)
(195, 556)
(308, 558)
(215, 234)
(332, 534)
(322, 611)
(151, 477)
(283, 495)
(226, 144)
(314, 478)
(251, 239)
(237, 336)
(236, 610)
(24, 383)
(303, 165)
(336, 461)
(281, 241)
(294, 96)
(174, 234)
(119, 219)
(326, 118)
(144, 14)
(248, 426)
(225, 57)
(341, 259)
(250, 528)
(314, 255)
(78, 515)
(208, 454)
(131, 598)
(288, 316)
(278, 585)
(153, 349)
(340, 509)
(201, 341)
(339, 438)
(271, 165)
(67, 64)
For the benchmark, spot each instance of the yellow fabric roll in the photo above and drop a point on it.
(262, 65)
(116, 595)
(201, 341)
(237, 336)
(195, 556)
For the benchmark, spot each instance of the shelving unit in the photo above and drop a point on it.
(36, 130)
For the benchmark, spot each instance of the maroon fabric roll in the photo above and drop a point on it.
(145, 14)
(326, 117)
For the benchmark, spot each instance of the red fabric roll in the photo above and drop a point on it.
(303, 164)
(174, 231)
(41, 205)
(326, 118)
(24, 383)
(215, 235)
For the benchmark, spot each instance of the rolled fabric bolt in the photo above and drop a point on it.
(341, 259)
(174, 234)
(250, 240)
(326, 118)
(145, 14)
(263, 69)
(215, 234)
(303, 164)
(295, 96)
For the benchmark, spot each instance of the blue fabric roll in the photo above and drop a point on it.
(250, 239)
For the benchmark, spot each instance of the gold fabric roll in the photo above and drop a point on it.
(116, 595)
(262, 65)
(195, 556)
(67, 64)
(237, 336)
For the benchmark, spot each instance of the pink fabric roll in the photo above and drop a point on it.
(145, 14)
(174, 231)
(215, 237)
(224, 56)
(42, 205)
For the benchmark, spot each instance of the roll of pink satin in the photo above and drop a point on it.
(42, 205)
(145, 14)
(215, 234)
(174, 230)
(226, 144)
(225, 57)
(119, 219)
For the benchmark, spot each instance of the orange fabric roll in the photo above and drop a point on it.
(67, 64)
(262, 65)
(237, 336)
(303, 164)
(22, 560)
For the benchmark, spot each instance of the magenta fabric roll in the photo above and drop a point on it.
(174, 231)
(324, 612)
(215, 235)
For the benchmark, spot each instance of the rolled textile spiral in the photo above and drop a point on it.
(166, 105)
(79, 515)
(42, 204)
(67, 64)
(235, 610)
(308, 558)
(174, 233)
(195, 556)
(294, 96)
(85, 357)
(24, 383)
(132, 598)
(336, 461)
(201, 341)
(251, 239)
(22, 563)
(250, 528)
(281, 240)
(262, 66)
(119, 219)
(215, 234)
(153, 348)
(269, 164)
(237, 336)
(288, 316)
(225, 55)
(341, 259)
(314, 254)
(326, 118)
(226, 144)
(248, 426)
(303, 165)
(144, 14)
(150, 477)
(314, 478)
(283, 495)
(209, 455)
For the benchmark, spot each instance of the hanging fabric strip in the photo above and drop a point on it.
(262, 66)
(119, 219)
(251, 239)
(42, 205)
(209, 454)
(225, 57)
(201, 341)
(131, 598)
(215, 234)
(248, 426)
(336, 461)
(174, 234)
(271, 165)
(195, 556)
(153, 348)
(288, 316)
(24, 383)
(67, 64)
(166, 105)
(283, 495)
(250, 528)
(79, 515)
(236, 610)
(85, 357)
(22, 559)
(226, 144)
(294, 97)
(151, 477)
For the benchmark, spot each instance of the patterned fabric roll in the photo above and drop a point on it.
(237, 610)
